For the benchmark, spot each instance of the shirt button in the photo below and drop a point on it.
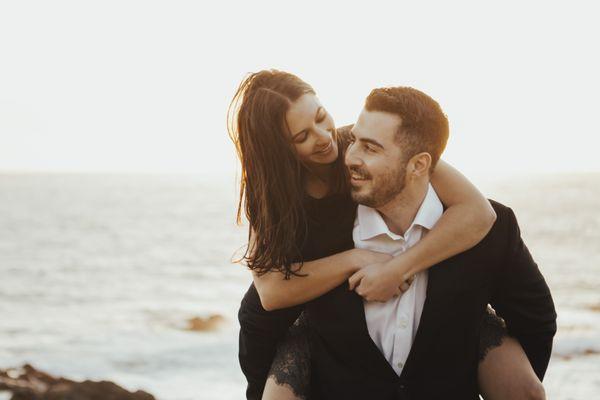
(403, 323)
(400, 364)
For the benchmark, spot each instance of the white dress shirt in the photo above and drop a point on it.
(393, 325)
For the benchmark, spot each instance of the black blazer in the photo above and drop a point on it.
(443, 360)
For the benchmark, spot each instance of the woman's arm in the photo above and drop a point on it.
(467, 219)
(321, 276)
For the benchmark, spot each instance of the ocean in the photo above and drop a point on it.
(100, 274)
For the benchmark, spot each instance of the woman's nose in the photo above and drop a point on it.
(323, 134)
(350, 159)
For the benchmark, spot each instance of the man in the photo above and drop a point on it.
(423, 345)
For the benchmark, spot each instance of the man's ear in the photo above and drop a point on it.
(419, 164)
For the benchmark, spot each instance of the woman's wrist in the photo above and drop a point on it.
(357, 259)
(401, 269)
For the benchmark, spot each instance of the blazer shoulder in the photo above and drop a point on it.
(504, 214)
(505, 227)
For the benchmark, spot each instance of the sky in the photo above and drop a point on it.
(144, 86)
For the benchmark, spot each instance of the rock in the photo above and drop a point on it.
(591, 352)
(205, 324)
(594, 307)
(27, 383)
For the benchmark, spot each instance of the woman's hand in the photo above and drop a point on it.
(379, 282)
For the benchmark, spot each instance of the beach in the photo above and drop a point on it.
(116, 277)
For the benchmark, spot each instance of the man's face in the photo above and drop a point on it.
(375, 161)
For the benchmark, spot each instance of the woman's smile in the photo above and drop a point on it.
(326, 150)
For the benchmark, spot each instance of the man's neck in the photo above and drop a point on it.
(400, 212)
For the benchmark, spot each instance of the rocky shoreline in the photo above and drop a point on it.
(28, 383)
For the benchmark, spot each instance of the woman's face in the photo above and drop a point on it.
(312, 131)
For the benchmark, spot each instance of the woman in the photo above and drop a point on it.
(295, 195)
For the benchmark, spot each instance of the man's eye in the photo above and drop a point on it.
(321, 117)
(369, 148)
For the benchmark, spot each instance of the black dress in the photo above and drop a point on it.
(329, 231)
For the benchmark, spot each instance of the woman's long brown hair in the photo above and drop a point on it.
(272, 178)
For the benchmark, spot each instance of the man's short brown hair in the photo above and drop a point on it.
(424, 125)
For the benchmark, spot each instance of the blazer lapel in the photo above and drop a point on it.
(370, 356)
(432, 316)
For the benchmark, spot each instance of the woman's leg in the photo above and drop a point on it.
(289, 376)
(504, 371)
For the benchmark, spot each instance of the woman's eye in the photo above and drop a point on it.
(321, 117)
(301, 138)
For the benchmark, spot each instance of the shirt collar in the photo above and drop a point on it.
(371, 223)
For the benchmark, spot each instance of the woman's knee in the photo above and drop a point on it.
(534, 390)
(276, 391)
(505, 373)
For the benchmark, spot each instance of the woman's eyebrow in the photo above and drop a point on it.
(318, 111)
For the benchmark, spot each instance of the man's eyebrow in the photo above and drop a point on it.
(304, 130)
(367, 140)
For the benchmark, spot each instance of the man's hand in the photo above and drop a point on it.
(378, 282)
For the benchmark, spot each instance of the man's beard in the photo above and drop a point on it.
(384, 188)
